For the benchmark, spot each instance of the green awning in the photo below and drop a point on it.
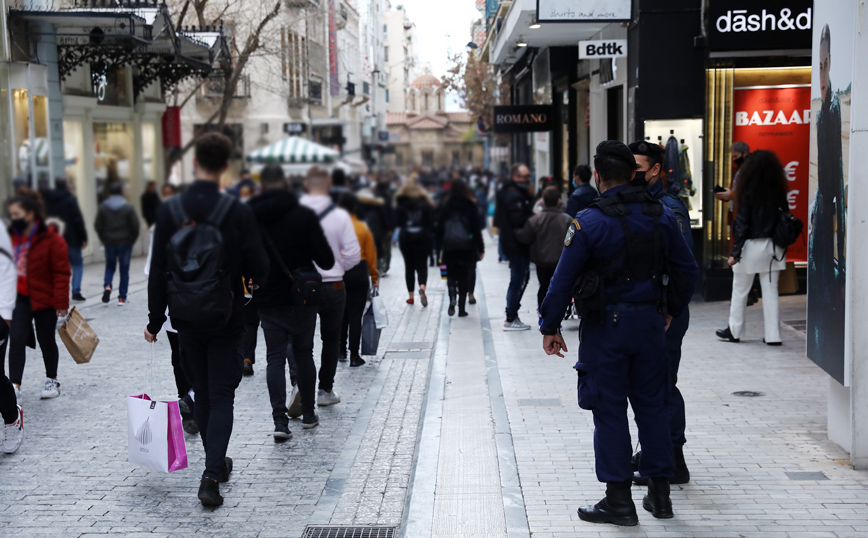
(294, 150)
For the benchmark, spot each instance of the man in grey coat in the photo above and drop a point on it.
(118, 228)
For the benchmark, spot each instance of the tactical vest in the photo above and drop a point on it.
(642, 257)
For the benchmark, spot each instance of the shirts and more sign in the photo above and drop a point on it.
(582, 10)
(759, 24)
(596, 50)
(523, 118)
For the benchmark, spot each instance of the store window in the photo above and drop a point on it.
(113, 156)
(33, 150)
(149, 151)
(73, 153)
(110, 85)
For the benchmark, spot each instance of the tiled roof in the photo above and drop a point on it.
(396, 118)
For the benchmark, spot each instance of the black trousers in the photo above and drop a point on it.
(212, 363)
(544, 275)
(357, 296)
(251, 328)
(289, 332)
(458, 269)
(21, 335)
(331, 314)
(415, 255)
(471, 279)
(8, 402)
(181, 381)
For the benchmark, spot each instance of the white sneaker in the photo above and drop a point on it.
(324, 398)
(294, 407)
(51, 389)
(13, 434)
(515, 325)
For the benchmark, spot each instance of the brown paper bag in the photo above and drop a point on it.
(78, 337)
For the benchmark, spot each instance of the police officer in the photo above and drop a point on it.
(649, 158)
(631, 271)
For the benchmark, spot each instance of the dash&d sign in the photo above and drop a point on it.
(523, 118)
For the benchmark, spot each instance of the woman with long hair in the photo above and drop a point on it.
(42, 260)
(761, 194)
(460, 242)
(415, 217)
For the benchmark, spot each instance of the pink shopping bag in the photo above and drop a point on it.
(155, 436)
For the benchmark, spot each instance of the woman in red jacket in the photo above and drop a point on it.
(43, 288)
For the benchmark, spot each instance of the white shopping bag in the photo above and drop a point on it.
(155, 438)
(381, 315)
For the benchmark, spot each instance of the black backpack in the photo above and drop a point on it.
(199, 285)
(456, 237)
(787, 229)
(414, 228)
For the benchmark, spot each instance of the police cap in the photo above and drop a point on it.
(643, 147)
(613, 149)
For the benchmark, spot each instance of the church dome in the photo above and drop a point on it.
(426, 81)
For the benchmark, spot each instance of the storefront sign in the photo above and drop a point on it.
(759, 24)
(172, 127)
(779, 119)
(582, 10)
(294, 128)
(595, 50)
(523, 118)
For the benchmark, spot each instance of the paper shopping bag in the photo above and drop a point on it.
(381, 315)
(370, 332)
(155, 435)
(80, 340)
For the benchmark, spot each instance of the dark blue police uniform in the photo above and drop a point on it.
(624, 356)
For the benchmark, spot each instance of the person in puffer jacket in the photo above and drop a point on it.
(42, 261)
(118, 228)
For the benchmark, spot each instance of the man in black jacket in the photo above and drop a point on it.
(210, 354)
(294, 239)
(584, 194)
(61, 203)
(514, 208)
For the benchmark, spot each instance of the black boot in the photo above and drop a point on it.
(657, 501)
(682, 474)
(617, 508)
(462, 306)
(209, 492)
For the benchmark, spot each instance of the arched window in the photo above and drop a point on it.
(439, 101)
(426, 102)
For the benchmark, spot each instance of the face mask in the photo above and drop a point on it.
(639, 178)
(19, 225)
(738, 162)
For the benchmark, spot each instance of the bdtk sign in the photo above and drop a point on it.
(760, 24)
(598, 50)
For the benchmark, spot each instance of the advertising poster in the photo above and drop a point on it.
(779, 119)
(831, 77)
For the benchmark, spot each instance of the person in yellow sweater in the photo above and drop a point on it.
(357, 283)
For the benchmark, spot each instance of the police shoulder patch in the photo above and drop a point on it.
(571, 232)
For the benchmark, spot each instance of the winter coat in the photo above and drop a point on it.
(369, 249)
(296, 234)
(580, 199)
(117, 222)
(150, 204)
(372, 211)
(407, 208)
(466, 209)
(48, 269)
(61, 203)
(545, 234)
(514, 208)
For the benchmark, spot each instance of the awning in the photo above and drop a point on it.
(294, 150)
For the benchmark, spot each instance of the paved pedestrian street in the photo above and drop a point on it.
(456, 429)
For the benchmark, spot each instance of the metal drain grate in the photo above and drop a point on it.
(748, 393)
(800, 325)
(316, 531)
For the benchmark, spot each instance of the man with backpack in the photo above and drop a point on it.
(288, 316)
(341, 236)
(206, 300)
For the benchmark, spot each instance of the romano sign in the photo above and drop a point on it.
(523, 118)
(735, 25)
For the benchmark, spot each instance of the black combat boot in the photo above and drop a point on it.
(657, 501)
(682, 474)
(617, 508)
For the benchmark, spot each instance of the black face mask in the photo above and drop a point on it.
(19, 225)
(738, 162)
(639, 179)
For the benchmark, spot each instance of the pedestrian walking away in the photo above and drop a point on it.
(42, 262)
(117, 226)
(544, 233)
(460, 242)
(61, 204)
(10, 407)
(415, 218)
(341, 236)
(631, 272)
(514, 208)
(217, 229)
(358, 282)
(150, 203)
(294, 239)
(649, 158)
(761, 193)
(584, 194)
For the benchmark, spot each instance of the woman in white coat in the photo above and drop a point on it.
(761, 194)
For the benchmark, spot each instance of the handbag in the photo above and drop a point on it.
(381, 314)
(306, 283)
(370, 332)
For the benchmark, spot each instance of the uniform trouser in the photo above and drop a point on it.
(289, 332)
(741, 284)
(623, 358)
(674, 337)
(332, 300)
(21, 335)
(212, 363)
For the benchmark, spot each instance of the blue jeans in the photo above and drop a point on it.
(519, 274)
(76, 262)
(114, 255)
